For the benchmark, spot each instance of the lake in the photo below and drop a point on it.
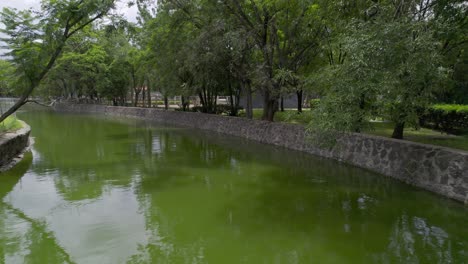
(102, 190)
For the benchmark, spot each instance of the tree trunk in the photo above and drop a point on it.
(300, 100)
(237, 101)
(398, 130)
(136, 98)
(166, 103)
(215, 104)
(36, 81)
(18, 104)
(282, 104)
(270, 106)
(185, 103)
(249, 110)
(202, 101)
(148, 89)
(143, 97)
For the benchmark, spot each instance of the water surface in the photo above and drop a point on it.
(98, 190)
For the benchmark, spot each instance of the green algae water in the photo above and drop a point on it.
(100, 190)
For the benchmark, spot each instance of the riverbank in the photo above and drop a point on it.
(380, 128)
(13, 145)
(437, 169)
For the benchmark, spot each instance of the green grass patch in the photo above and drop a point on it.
(422, 135)
(384, 129)
(11, 123)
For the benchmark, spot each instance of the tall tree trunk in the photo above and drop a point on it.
(300, 100)
(237, 96)
(143, 98)
(202, 100)
(282, 104)
(398, 130)
(215, 103)
(232, 106)
(136, 98)
(148, 89)
(166, 102)
(249, 110)
(185, 103)
(270, 106)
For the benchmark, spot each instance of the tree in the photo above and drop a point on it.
(287, 36)
(36, 40)
(78, 70)
(450, 23)
(6, 78)
(115, 81)
(393, 70)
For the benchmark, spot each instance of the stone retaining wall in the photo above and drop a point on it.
(437, 169)
(12, 146)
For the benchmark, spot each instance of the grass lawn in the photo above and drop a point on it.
(10, 124)
(384, 129)
(423, 135)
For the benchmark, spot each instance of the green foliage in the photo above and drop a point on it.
(450, 25)
(7, 78)
(159, 102)
(10, 124)
(393, 69)
(288, 116)
(36, 39)
(78, 72)
(448, 118)
(422, 135)
(314, 103)
(220, 109)
(114, 82)
(451, 108)
(365, 59)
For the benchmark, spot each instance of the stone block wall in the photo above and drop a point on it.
(437, 169)
(13, 145)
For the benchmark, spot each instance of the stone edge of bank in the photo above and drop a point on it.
(12, 147)
(437, 169)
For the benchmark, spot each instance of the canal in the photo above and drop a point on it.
(101, 190)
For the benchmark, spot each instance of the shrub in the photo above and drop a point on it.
(447, 118)
(220, 109)
(10, 124)
(313, 103)
(160, 102)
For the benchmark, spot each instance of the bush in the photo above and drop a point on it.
(161, 102)
(220, 109)
(447, 118)
(313, 103)
(10, 124)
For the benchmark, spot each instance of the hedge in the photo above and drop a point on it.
(447, 118)
(313, 103)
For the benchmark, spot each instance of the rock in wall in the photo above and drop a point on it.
(12, 145)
